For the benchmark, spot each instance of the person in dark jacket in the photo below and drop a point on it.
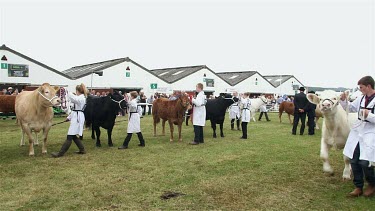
(300, 106)
(311, 116)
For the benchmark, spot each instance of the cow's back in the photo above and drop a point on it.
(7, 103)
(165, 108)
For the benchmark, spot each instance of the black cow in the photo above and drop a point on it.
(102, 112)
(216, 109)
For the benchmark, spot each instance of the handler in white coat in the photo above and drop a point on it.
(77, 120)
(360, 146)
(263, 110)
(199, 115)
(134, 123)
(234, 112)
(245, 105)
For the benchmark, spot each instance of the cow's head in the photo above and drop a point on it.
(119, 99)
(184, 101)
(327, 101)
(48, 95)
(263, 98)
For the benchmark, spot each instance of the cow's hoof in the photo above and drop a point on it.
(44, 152)
(98, 145)
(171, 140)
(93, 137)
(31, 154)
(222, 136)
(214, 136)
(345, 179)
(36, 144)
(110, 145)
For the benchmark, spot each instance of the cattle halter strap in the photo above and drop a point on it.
(50, 100)
(119, 102)
(331, 101)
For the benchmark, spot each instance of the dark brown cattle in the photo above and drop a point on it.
(172, 111)
(7, 103)
(288, 107)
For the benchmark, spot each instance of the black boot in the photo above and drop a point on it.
(238, 125)
(64, 147)
(126, 141)
(80, 146)
(267, 117)
(141, 140)
(232, 124)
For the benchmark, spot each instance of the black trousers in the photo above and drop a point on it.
(265, 114)
(149, 109)
(311, 123)
(297, 117)
(129, 136)
(143, 110)
(198, 134)
(360, 168)
(244, 129)
(232, 123)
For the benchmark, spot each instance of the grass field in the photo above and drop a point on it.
(272, 170)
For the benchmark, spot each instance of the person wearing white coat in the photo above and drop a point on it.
(245, 105)
(77, 120)
(134, 121)
(360, 145)
(199, 115)
(263, 110)
(234, 112)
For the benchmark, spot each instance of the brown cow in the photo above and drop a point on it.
(171, 110)
(34, 112)
(7, 103)
(288, 107)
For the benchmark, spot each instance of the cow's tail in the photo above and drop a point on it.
(155, 112)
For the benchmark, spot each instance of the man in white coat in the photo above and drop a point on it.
(360, 146)
(234, 112)
(245, 105)
(77, 120)
(199, 114)
(134, 122)
(263, 110)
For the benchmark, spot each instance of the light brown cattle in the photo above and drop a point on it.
(172, 111)
(288, 107)
(34, 112)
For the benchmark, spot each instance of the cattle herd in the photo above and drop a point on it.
(34, 114)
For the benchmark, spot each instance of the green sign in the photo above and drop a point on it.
(154, 86)
(4, 66)
(127, 74)
(18, 70)
(210, 82)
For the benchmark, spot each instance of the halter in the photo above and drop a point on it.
(49, 100)
(230, 99)
(330, 101)
(119, 102)
(263, 101)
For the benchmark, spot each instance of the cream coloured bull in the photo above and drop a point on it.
(34, 112)
(335, 128)
(255, 105)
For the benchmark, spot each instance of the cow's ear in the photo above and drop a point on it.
(56, 88)
(313, 98)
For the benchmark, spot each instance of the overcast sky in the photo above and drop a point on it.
(321, 42)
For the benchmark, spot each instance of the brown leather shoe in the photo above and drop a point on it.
(355, 193)
(370, 191)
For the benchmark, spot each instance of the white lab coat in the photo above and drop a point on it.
(199, 109)
(135, 111)
(234, 111)
(362, 132)
(263, 108)
(77, 118)
(245, 104)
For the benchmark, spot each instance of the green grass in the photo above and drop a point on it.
(272, 170)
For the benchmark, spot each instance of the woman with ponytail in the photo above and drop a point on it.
(77, 120)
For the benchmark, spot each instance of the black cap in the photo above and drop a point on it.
(301, 88)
